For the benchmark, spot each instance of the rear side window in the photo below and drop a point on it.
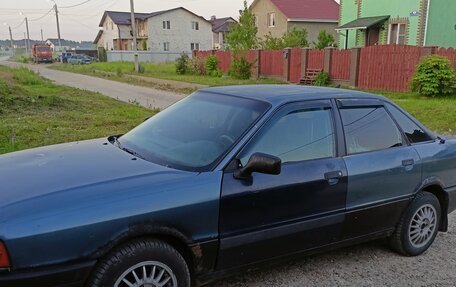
(369, 129)
(412, 131)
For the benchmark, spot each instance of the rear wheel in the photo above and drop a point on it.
(418, 226)
(142, 263)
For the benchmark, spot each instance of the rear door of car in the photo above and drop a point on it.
(384, 170)
(303, 207)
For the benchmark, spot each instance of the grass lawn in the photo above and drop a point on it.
(165, 71)
(35, 112)
(438, 114)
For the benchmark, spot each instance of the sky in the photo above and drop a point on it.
(81, 22)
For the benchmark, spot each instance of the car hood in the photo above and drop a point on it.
(42, 171)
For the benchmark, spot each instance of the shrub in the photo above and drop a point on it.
(212, 67)
(182, 64)
(197, 66)
(322, 79)
(434, 77)
(241, 68)
(102, 54)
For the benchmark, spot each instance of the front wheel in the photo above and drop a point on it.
(418, 226)
(142, 263)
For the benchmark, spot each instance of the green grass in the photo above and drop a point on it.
(35, 112)
(165, 71)
(438, 114)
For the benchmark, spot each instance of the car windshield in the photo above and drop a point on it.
(194, 133)
(43, 49)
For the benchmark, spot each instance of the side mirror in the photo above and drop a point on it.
(261, 163)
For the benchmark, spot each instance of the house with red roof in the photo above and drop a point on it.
(279, 16)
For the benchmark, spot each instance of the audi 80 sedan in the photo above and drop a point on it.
(224, 180)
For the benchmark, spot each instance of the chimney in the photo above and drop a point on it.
(213, 18)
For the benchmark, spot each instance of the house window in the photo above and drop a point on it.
(195, 25)
(166, 46)
(194, 46)
(167, 25)
(112, 26)
(271, 20)
(397, 33)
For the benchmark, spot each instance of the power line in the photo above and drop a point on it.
(18, 26)
(39, 18)
(76, 5)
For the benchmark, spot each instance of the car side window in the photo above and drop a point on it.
(369, 129)
(295, 136)
(412, 131)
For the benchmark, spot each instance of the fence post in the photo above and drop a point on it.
(354, 66)
(328, 59)
(286, 64)
(256, 65)
(304, 61)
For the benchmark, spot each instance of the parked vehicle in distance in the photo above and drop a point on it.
(41, 54)
(78, 59)
(65, 56)
(224, 180)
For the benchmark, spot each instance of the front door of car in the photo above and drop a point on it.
(384, 170)
(266, 216)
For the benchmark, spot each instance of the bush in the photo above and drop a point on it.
(322, 79)
(182, 64)
(102, 54)
(241, 68)
(434, 77)
(197, 66)
(212, 67)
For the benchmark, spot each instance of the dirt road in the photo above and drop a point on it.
(371, 264)
(144, 96)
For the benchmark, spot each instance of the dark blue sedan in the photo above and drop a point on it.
(227, 179)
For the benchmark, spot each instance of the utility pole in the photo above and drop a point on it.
(42, 37)
(58, 24)
(133, 28)
(11, 39)
(25, 42)
(28, 34)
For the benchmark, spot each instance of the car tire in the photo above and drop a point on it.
(418, 227)
(160, 261)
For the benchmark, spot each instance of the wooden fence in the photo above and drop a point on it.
(383, 67)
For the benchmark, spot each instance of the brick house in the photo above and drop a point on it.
(279, 16)
(411, 22)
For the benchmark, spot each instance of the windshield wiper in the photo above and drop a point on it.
(130, 151)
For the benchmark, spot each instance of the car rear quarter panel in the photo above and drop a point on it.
(79, 224)
(438, 162)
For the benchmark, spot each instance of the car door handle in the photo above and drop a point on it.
(333, 177)
(408, 162)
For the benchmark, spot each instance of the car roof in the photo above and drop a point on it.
(279, 94)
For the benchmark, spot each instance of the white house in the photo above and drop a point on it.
(176, 30)
(179, 30)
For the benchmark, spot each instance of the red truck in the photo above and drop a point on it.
(42, 54)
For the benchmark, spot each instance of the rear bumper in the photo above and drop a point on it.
(73, 275)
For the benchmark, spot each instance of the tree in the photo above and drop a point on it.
(292, 39)
(296, 38)
(242, 36)
(325, 39)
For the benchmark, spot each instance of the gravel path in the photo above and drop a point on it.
(370, 264)
(144, 96)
